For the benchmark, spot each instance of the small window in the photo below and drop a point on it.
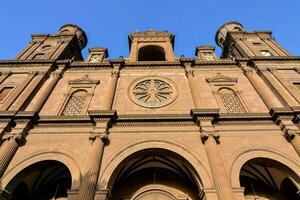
(231, 101)
(237, 28)
(257, 43)
(75, 103)
(5, 92)
(152, 53)
(265, 53)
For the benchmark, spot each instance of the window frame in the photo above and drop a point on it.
(84, 83)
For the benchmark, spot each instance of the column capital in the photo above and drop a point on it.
(17, 136)
(6, 73)
(189, 72)
(290, 134)
(205, 135)
(115, 73)
(103, 136)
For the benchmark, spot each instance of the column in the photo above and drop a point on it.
(290, 131)
(4, 126)
(15, 138)
(219, 174)
(43, 96)
(109, 96)
(285, 83)
(189, 72)
(279, 88)
(264, 92)
(8, 149)
(92, 167)
(292, 136)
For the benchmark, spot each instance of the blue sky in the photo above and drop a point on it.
(108, 22)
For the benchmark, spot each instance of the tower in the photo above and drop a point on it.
(151, 46)
(67, 43)
(236, 42)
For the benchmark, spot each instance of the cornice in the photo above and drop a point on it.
(14, 62)
(154, 117)
(78, 119)
(274, 58)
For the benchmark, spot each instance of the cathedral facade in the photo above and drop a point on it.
(151, 126)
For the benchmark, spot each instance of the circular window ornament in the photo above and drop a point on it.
(153, 92)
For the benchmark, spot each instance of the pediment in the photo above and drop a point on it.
(84, 80)
(221, 78)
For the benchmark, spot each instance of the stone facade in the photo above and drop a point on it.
(150, 126)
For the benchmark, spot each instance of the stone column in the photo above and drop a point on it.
(292, 136)
(189, 72)
(109, 96)
(284, 94)
(219, 174)
(8, 149)
(290, 130)
(210, 139)
(43, 96)
(15, 138)
(92, 167)
(264, 92)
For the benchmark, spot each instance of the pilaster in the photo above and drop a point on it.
(291, 132)
(264, 92)
(99, 139)
(211, 138)
(189, 72)
(115, 74)
(16, 137)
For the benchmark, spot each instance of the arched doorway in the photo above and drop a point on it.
(164, 174)
(151, 53)
(267, 179)
(44, 180)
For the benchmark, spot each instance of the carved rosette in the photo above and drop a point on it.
(153, 92)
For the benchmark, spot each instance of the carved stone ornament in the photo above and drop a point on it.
(221, 78)
(153, 92)
(84, 80)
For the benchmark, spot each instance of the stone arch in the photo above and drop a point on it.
(241, 157)
(63, 157)
(169, 193)
(151, 53)
(118, 158)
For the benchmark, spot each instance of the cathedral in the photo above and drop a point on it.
(150, 126)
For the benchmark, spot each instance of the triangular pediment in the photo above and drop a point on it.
(221, 78)
(84, 80)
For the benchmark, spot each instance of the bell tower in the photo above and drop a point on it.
(236, 42)
(151, 46)
(67, 43)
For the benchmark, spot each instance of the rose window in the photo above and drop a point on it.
(153, 93)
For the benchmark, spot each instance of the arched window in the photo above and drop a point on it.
(231, 101)
(75, 103)
(152, 53)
